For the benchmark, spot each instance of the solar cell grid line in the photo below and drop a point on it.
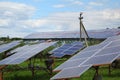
(20, 53)
(63, 47)
(72, 51)
(109, 50)
(75, 48)
(115, 43)
(90, 48)
(36, 50)
(113, 38)
(8, 46)
(12, 57)
(19, 49)
(109, 58)
(22, 56)
(77, 45)
(69, 63)
(95, 53)
(97, 46)
(33, 50)
(57, 54)
(101, 60)
(70, 72)
(77, 42)
(69, 52)
(69, 46)
(83, 54)
(65, 51)
(78, 56)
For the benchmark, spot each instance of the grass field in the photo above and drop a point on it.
(43, 75)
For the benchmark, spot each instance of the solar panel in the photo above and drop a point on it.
(18, 49)
(110, 50)
(62, 48)
(104, 33)
(103, 53)
(67, 49)
(113, 38)
(69, 52)
(115, 43)
(104, 59)
(21, 56)
(83, 55)
(8, 46)
(70, 72)
(70, 63)
(90, 48)
(58, 55)
(77, 42)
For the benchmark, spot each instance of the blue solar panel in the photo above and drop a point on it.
(67, 49)
(62, 48)
(69, 52)
(104, 59)
(8, 46)
(19, 49)
(82, 54)
(58, 50)
(57, 55)
(77, 45)
(70, 72)
(77, 42)
(27, 53)
(70, 63)
(74, 48)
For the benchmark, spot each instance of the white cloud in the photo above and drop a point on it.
(15, 10)
(59, 6)
(95, 3)
(102, 19)
(68, 21)
(111, 14)
(77, 2)
(4, 22)
(11, 14)
(15, 20)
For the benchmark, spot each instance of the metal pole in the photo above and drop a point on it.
(82, 28)
(80, 18)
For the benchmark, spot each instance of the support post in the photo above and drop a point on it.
(109, 70)
(96, 75)
(1, 75)
(31, 67)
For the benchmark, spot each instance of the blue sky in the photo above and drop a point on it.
(19, 18)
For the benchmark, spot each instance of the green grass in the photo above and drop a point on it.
(43, 75)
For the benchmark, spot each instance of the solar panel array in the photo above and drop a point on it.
(26, 53)
(8, 46)
(101, 54)
(19, 49)
(67, 49)
(103, 33)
